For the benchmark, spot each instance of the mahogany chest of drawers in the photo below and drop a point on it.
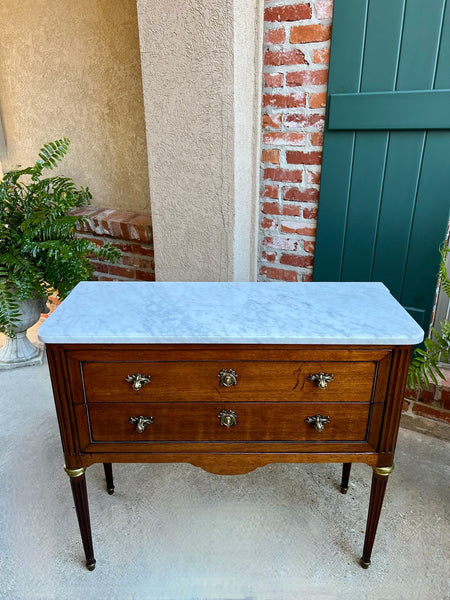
(202, 397)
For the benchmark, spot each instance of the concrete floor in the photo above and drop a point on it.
(175, 532)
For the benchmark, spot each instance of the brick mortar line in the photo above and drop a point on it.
(308, 205)
(294, 67)
(120, 241)
(113, 236)
(277, 110)
(95, 261)
(95, 235)
(288, 267)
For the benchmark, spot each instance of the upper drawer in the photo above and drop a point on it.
(343, 381)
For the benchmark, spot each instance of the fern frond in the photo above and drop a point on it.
(9, 307)
(424, 368)
(11, 177)
(50, 154)
(107, 252)
(41, 226)
(443, 274)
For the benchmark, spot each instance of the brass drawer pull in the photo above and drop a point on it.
(227, 418)
(227, 378)
(321, 379)
(317, 421)
(141, 422)
(138, 380)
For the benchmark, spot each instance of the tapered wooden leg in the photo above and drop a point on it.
(346, 467)
(379, 481)
(79, 492)
(109, 477)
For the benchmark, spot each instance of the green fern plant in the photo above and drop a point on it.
(39, 252)
(424, 368)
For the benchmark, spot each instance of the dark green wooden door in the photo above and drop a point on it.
(385, 190)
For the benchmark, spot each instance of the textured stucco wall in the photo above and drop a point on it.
(188, 49)
(187, 66)
(73, 69)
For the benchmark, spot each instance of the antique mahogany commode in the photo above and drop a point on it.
(229, 377)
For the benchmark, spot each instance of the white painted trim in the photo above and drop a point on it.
(248, 24)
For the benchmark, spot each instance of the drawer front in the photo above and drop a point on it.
(200, 422)
(268, 381)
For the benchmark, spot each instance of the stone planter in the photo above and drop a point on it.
(19, 351)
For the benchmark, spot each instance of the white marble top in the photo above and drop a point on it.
(216, 313)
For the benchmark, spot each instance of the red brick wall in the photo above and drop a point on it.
(131, 233)
(296, 51)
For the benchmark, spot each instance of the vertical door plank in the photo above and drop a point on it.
(442, 80)
(420, 43)
(365, 194)
(429, 225)
(382, 48)
(402, 171)
(348, 36)
(379, 73)
(334, 193)
(349, 18)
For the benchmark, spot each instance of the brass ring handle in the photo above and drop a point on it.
(227, 418)
(138, 380)
(321, 379)
(317, 421)
(141, 422)
(227, 378)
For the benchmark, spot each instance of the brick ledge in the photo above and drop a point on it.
(426, 426)
(130, 232)
(116, 224)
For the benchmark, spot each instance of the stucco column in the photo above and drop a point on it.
(201, 80)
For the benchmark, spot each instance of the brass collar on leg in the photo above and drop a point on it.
(383, 471)
(72, 473)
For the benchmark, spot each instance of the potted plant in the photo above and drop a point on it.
(39, 252)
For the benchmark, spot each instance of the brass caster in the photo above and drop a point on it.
(344, 490)
(364, 564)
(91, 564)
(110, 490)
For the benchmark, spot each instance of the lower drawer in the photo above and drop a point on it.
(201, 422)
